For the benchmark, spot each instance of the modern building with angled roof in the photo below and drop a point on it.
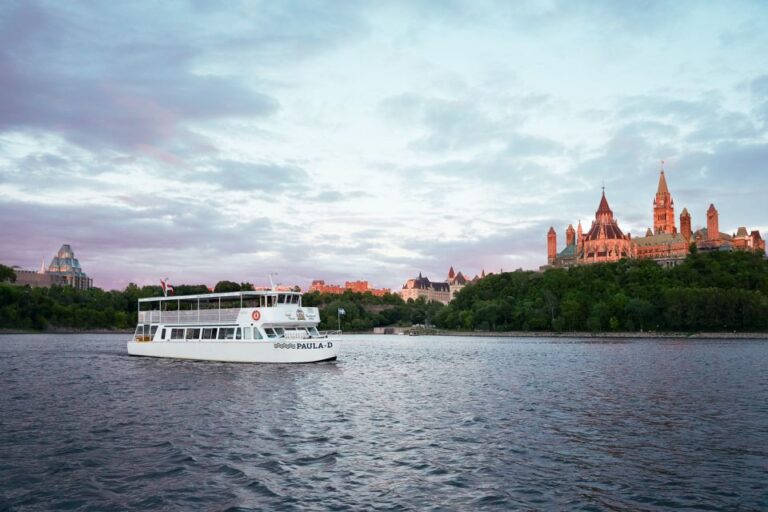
(64, 270)
(65, 265)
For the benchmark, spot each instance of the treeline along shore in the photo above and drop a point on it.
(712, 292)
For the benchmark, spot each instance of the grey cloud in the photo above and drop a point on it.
(463, 123)
(165, 224)
(327, 196)
(68, 69)
(759, 90)
(253, 176)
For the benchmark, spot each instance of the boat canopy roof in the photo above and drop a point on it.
(217, 296)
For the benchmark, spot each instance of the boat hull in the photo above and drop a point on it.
(282, 351)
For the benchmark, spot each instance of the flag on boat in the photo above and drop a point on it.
(166, 286)
(342, 312)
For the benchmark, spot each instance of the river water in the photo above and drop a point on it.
(397, 423)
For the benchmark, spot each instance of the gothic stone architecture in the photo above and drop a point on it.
(665, 244)
(430, 290)
(438, 291)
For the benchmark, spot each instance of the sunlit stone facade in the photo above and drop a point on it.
(605, 242)
(429, 290)
(319, 285)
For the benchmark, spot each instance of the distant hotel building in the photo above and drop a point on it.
(443, 291)
(64, 270)
(605, 242)
(423, 287)
(319, 285)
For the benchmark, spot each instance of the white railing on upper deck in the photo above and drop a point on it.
(328, 334)
(203, 316)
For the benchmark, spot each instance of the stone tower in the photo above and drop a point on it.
(579, 236)
(685, 224)
(663, 208)
(570, 236)
(551, 245)
(713, 223)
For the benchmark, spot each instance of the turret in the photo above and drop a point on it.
(579, 236)
(551, 245)
(713, 223)
(570, 236)
(685, 225)
(451, 273)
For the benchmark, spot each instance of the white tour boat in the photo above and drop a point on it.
(267, 326)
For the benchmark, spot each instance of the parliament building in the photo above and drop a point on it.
(665, 244)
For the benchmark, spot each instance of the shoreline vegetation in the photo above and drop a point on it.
(707, 295)
(473, 334)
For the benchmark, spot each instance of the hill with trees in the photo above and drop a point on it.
(22, 307)
(706, 292)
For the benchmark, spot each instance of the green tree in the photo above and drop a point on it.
(7, 274)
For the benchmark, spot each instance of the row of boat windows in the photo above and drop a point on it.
(233, 333)
(263, 301)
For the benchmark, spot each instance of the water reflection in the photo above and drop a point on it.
(397, 422)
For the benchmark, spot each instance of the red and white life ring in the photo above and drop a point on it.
(256, 315)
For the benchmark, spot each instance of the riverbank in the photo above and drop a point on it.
(478, 334)
(549, 334)
(66, 331)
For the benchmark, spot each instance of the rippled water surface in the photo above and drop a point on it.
(397, 423)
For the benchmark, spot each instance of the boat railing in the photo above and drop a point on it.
(202, 316)
(328, 334)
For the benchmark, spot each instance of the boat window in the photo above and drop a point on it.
(193, 334)
(152, 331)
(271, 300)
(257, 334)
(162, 334)
(279, 331)
(227, 333)
(313, 331)
(139, 330)
(270, 332)
(246, 333)
(177, 334)
(295, 299)
(209, 334)
(238, 334)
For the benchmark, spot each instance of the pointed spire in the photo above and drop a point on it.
(685, 213)
(451, 273)
(663, 189)
(604, 208)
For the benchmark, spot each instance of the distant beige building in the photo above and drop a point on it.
(37, 278)
(423, 287)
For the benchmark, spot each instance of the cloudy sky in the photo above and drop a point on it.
(341, 140)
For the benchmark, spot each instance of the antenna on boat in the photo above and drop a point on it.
(272, 283)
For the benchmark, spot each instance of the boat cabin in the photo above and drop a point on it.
(239, 316)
